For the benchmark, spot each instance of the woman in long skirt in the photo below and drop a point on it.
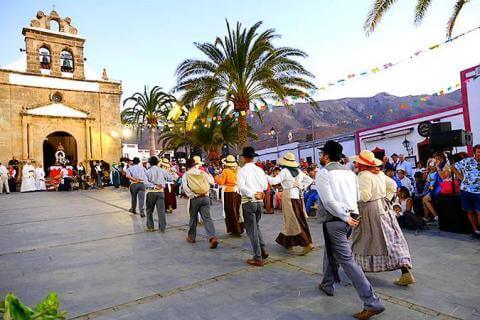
(170, 191)
(378, 243)
(295, 227)
(231, 198)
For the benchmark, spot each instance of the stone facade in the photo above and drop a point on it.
(35, 103)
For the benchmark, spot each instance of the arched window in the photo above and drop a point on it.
(44, 57)
(66, 61)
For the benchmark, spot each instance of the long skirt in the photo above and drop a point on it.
(231, 206)
(12, 184)
(378, 243)
(170, 197)
(303, 238)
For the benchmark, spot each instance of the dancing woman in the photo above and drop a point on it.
(295, 227)
(231, 198)
(378, 243)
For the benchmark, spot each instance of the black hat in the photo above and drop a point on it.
(394, 155)
(333, 149)
(136, 160)
(153, 161)
(249, 152)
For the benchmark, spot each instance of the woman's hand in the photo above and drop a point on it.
(352, 222)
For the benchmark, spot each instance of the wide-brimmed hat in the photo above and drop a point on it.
(164, 163)
(229, 161)
(367, 158)
(197, 160)
(402, 170)
(288, 160)
(249, 152)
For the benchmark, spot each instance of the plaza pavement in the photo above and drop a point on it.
(89, 249)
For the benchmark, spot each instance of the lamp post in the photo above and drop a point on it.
(274, 135)
(408, 147)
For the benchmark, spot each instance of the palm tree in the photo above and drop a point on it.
(380, 7)
(149, 109)
(209, 136)
(242, 70)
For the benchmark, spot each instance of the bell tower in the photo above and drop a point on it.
(53, 47)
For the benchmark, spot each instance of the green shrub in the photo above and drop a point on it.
(13, 309)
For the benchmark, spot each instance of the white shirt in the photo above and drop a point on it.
(64, 173)
(407, 183)
(250, 180)
(297, 184)
(3, 171)
(338, 191)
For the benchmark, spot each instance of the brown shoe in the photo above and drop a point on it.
(265, 254)
(189, 239)
(256, 263)
(367, 314)
(149, 229)
(213, 243)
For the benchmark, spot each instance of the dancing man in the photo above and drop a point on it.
(137, 175)
(337, 187)
(196, 185)
(252, 182)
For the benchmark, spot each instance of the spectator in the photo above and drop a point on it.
(390, 172)
(406, 217)
(394, 161)
(404, 180)
(420, 190)
(468, 170)
(387, 165)
(418, 168)
(435, 170)
(405, 165)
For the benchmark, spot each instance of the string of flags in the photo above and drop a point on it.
(388, 65)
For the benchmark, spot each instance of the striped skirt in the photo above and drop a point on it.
(378, 243)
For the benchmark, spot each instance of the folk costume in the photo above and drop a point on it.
(231, 198)
(155, 186)
(378, 243)
(252, 181)
(137, 174)
(170, 187)
(28, 178)
(295, 227)
(196, 185)
(338, 191)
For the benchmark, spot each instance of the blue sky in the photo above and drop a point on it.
(142, 42)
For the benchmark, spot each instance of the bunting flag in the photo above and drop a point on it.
(388, 65)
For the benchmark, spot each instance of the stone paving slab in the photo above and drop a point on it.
(87, 247)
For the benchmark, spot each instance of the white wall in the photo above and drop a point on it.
(394, 144)
(271, 153)
(473, 98)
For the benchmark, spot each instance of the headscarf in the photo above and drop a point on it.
(293, 171)
(374, 170)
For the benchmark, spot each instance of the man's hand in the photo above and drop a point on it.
(352, 222)
(259, 195)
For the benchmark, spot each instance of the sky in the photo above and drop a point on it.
(142, 42)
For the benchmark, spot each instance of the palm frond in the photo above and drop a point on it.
(379, 8)
(453, 19)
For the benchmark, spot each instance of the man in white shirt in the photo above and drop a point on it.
(137, 175)
(405, 165)
(338, 190)
(4, 179)
(252, 183)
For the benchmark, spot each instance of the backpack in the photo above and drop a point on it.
(198, 183)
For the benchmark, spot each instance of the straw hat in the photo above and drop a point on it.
(229, 161)
(367, 158)
(164, 163)
(288, 160)
(197, 160)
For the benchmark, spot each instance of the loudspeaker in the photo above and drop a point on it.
(439, 127)
(453, 138)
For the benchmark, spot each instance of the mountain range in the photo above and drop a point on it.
(334, 117)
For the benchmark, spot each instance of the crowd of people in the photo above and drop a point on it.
(362, 202)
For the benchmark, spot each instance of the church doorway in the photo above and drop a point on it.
(57, 145)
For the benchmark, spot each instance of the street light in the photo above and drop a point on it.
(274, 135)
(407, 145)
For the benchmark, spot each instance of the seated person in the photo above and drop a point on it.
(420, 190)
(404, 180)
(405, 213)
